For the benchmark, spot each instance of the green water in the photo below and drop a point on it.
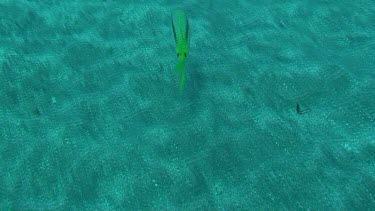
(92, 117)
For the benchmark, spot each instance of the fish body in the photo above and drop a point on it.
(180, 26)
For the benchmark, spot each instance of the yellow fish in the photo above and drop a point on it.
(180, 25)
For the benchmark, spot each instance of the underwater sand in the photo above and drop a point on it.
(92, 117)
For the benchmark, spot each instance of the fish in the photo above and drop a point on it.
(180, 26)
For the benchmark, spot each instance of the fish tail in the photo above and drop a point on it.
(181, 70)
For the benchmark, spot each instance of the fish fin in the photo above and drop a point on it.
(174, 31)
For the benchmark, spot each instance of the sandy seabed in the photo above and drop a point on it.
(92, 117)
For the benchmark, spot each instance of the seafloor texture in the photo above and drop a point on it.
(92, 117)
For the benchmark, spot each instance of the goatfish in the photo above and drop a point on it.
(180, 26)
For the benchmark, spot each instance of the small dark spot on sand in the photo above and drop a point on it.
(37, 112)
(299, 110)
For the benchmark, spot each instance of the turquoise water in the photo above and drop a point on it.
(92, 117)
